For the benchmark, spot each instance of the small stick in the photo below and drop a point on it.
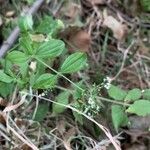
(15, 33)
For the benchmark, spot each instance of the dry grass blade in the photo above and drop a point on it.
(104, 129)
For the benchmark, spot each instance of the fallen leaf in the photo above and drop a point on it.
(71, 11)
(76, 39)
(119, 30)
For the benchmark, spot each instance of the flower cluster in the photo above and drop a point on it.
(106, 82)
(92, 107)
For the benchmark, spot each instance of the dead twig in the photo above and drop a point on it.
(123, 62)
(15, 33)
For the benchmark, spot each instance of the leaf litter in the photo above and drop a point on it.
(90, 39)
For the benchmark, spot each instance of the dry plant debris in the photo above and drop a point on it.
(116, 39)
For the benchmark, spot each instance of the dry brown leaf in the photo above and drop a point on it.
(77, 39)
(71, 11)
(119, 30)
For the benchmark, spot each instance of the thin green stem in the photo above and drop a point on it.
(98, 97)
(58, 73)
(104, 129)
(112, 101)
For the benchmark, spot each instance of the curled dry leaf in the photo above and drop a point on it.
(71, 11)
(119, 30)
(76, 39)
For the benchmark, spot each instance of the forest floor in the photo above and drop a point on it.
(115, 35)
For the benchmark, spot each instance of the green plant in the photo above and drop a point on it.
(133, 101)
(30, 66)
(145, 5)
(26, 66)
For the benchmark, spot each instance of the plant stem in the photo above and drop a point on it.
(98, 97)
(104, 129)
(58, 73)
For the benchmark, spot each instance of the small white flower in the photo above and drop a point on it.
(108, 79)
(107, 86)
(143, 91)
(43, 94)
(89, 114)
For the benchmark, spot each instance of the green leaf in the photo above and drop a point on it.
(78, 117)
(50, 49)
(24, 69)
(25, 23)
(62, 98)
(140, 107)
(78, 93)
(119, 118)
(5, 63)
(41, 111)
(74, 63)
(145, 5)
(146, 94)
(30, 1)
(48, 25)
(133, 95)
(17, 57)
(26, 43)
(45, 81)
(5, 89)
(5, 78)
(116, 93)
